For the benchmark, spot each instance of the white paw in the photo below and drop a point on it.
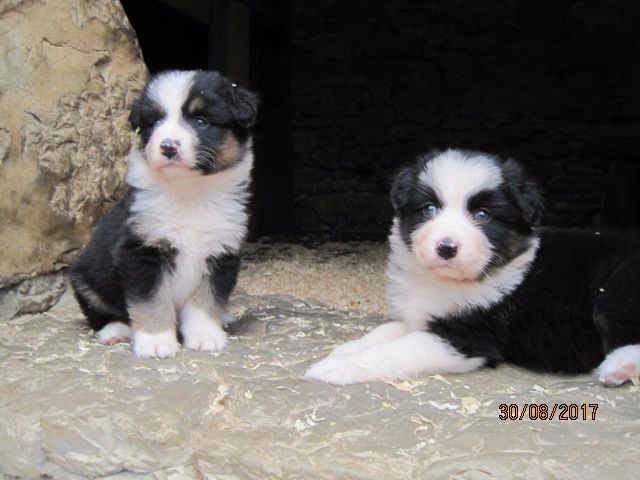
(155, 345)
(114, 332)
(620, 366)
(385, 333)
(207, 339)
(202, 333)
(339, 370)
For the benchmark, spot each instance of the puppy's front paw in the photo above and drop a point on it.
(620, 366)
(338, 370)
(155, 345)
(209, 338)
(202, 333)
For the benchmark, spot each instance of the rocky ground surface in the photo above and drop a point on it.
(71, 408)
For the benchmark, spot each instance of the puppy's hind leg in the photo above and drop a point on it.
(100, 315)
(617, 316)
(620, 366)
(113, 333)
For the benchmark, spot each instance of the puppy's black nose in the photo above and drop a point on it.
(447, 248)
(168, 147)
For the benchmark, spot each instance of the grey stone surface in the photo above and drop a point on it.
(71, 408)
(33, 295)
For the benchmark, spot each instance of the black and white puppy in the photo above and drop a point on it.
(473, 281)
(168, 253)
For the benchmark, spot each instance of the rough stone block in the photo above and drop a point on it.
(68, 71)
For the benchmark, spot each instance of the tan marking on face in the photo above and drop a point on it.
(196, 104)
(230, 152)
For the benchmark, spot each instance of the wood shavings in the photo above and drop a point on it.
(444, 406)
(300, 426)
(470, 404)
(351, 281)
(440, 378)
(402, 386)
(219, 402)
(282, 387)
(310, 421)
(421, 420)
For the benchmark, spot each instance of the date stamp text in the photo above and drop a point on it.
(543, 411)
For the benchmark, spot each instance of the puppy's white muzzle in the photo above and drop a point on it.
(171, 149)
(452, 246)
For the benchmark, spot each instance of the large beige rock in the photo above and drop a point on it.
(68, 71)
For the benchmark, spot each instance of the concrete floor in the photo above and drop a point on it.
(71, 408)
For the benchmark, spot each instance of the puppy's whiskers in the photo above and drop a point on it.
(207, 156)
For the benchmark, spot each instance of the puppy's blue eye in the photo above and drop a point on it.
(201, 122)
(481, 215)
(429, 210)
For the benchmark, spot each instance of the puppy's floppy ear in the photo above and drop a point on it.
(525, 192)
(401, 188)
(243, 105)
(134, 115)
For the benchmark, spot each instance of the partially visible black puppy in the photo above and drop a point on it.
(167, 254)
(473, 281)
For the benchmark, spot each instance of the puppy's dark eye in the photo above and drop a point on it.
(481, 216)
(429, 210)
(152, 122)
(201, 122)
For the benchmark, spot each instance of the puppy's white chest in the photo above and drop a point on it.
(195, 229)
(199, 227)
(189, 272)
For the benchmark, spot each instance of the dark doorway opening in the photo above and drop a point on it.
(353, 90)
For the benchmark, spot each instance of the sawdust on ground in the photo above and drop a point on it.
(343, 275)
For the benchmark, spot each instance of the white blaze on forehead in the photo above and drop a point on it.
(456, 176)
(171, 91)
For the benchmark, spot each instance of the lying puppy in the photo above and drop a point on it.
(168, 252)
(473, 281)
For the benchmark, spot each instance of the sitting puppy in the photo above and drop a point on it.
(168, 252)
(473, 281)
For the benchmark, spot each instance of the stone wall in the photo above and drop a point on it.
(554, 85)
(68, 71)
